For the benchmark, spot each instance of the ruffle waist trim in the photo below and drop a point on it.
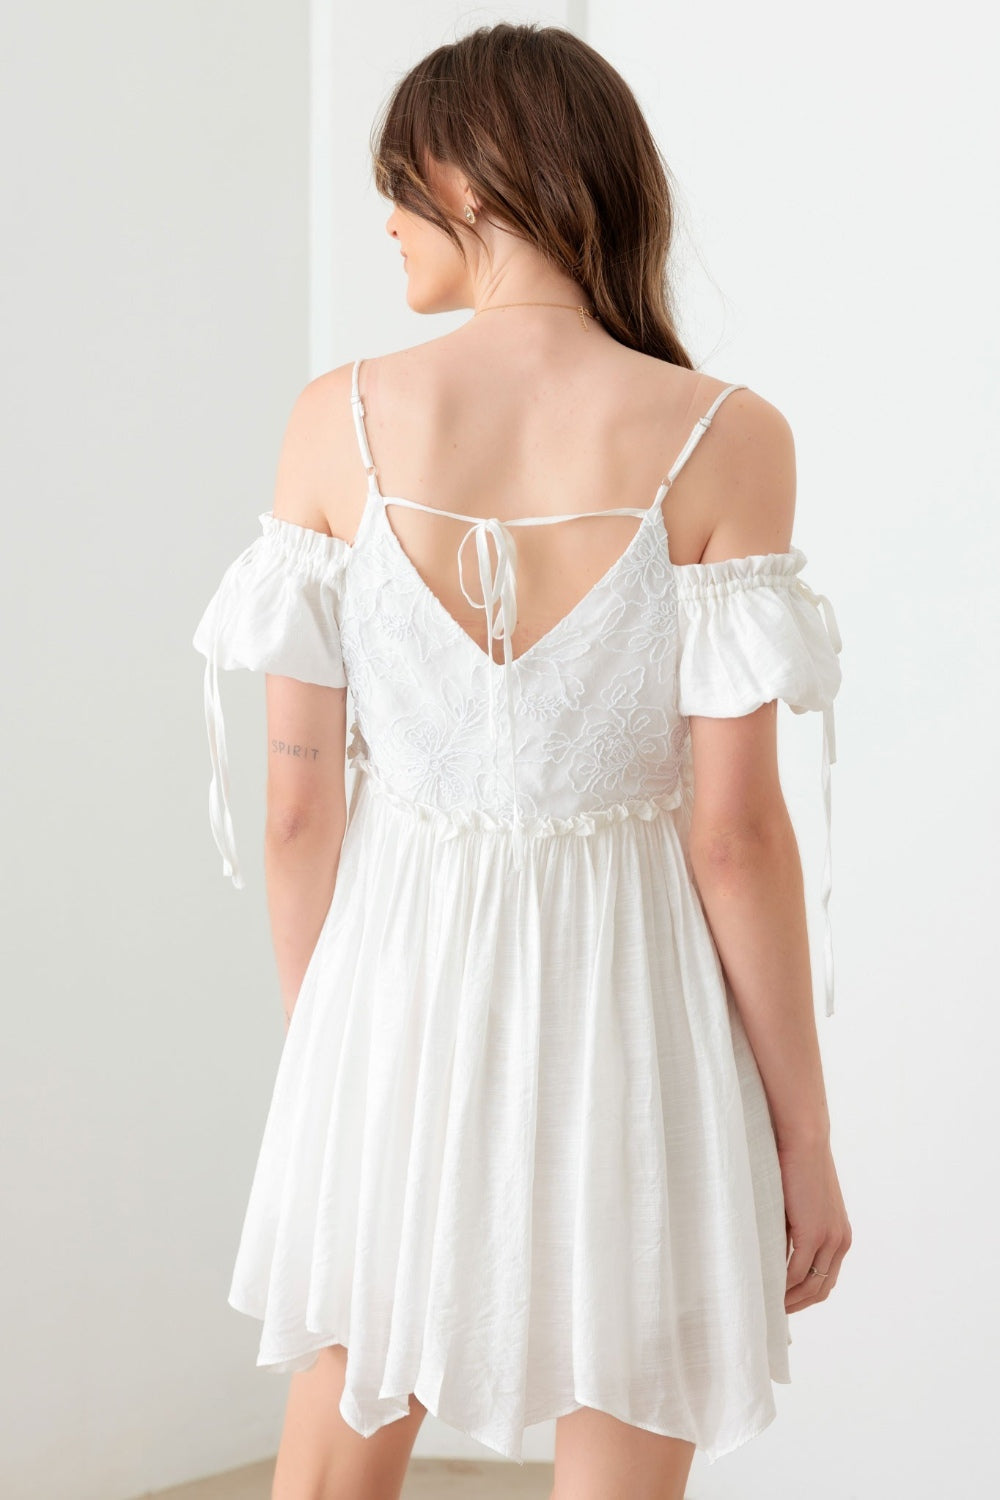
(453, 822)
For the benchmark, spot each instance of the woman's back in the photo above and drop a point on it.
(492, 427)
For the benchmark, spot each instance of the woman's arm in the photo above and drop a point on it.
(746, 865)
(306, 817)
(306, 723)
(742, 847)
(747, 868)
(749, 878)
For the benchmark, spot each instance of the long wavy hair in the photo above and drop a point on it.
(559, 153)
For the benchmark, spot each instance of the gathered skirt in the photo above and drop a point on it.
(518, 1157)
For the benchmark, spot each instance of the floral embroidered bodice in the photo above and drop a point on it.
(588, 725)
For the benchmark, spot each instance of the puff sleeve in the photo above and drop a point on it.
(276, 609)
(751, 630)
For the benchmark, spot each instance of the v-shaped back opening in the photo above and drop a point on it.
(498, 580)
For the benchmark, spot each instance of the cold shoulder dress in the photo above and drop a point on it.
(518, 1156)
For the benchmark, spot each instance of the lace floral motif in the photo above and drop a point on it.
(595, 731)
(556, 679)
(387, 629)
(622, 745)
(436, 751)
(645, 567)
(653, 637)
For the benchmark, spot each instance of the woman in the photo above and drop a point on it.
(549, 1136)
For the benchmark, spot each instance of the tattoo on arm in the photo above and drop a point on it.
(303, 752)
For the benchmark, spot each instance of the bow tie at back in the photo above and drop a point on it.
(826, 611)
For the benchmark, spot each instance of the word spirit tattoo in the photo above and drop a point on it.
(304, 752)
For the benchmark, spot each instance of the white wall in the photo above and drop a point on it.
(841, 254)
(154, 292)
(176, 265)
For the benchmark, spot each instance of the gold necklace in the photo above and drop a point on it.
(584, 312)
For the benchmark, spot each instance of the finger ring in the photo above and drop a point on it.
(813, 1272)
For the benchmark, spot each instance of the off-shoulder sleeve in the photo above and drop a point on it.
(276, 609)
(751, 631)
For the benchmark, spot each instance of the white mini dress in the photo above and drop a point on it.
(518, 1156)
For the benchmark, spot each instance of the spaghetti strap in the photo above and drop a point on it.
(698, 432)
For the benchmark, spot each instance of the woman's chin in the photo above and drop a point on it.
(422, 302)
(414, 300)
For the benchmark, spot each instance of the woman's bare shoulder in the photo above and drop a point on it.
(747, 474)
(321, 480)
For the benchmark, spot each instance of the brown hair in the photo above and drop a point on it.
(559, 153)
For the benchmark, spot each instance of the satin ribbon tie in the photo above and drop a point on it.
(826, 611)
(227, 605)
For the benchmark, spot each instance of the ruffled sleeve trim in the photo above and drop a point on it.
(730, 574)
(276, 609)
(317, 554)
(752, 631)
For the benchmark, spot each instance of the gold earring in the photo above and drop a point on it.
(469, 213)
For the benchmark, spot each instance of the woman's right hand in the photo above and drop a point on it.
(818, 1232)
